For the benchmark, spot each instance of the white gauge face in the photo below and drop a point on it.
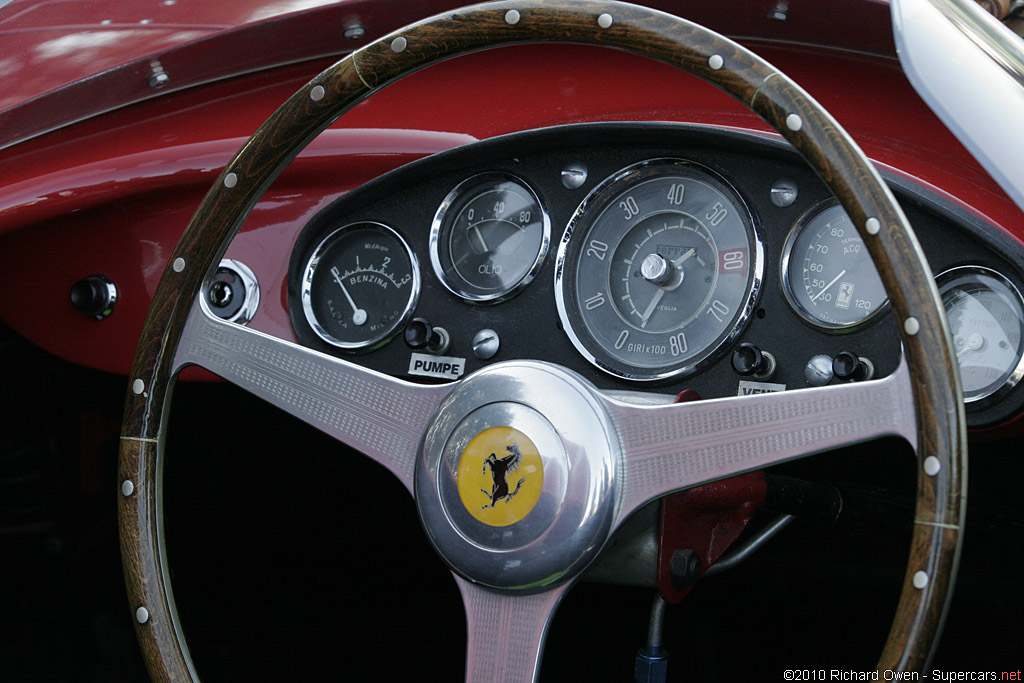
(986, 319)
(827, 273)
(658, 269)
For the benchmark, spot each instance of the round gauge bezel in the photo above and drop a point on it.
(440, 223)
(947, 277)
(787, 286)
(306, 293)
(591, 208)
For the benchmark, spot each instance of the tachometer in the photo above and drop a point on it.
(827, 273)
(360, 286)
(658, 269)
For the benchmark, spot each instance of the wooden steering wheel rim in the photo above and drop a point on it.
(827, 148)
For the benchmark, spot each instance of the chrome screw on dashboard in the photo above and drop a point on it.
(485, 344)
(783, 193)
(780, 12)
(818, 370)
(574, 175)
(354, 31)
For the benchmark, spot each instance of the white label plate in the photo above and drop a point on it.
(439, 367)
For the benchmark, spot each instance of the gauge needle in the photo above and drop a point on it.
(651, 306)
(480, 236)
(682, 259)
(974, 342)
(825, 288)
(661, 290)
(358, 314)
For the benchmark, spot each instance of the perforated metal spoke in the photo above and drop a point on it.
(666, 448)
(506, 633)
(382, 417)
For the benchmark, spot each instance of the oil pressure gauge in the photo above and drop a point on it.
(986, 319)
(360, 286)
(489, 238)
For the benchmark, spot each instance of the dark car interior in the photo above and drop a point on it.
(294, 557)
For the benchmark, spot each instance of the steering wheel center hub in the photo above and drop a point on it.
(515, 483)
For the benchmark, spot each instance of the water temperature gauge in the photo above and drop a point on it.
(360, 286)
(986, 319)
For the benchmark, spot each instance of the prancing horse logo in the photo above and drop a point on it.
(500, 469)
(504, 465)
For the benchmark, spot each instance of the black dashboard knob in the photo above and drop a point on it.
(848, 366)
(94, 296)
(419, 333)
(747, 360)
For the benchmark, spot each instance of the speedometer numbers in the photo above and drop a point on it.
(827, 273)
(658, 270)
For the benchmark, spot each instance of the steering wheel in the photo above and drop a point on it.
(601, 459)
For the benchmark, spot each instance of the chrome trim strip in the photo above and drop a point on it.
(969, 68)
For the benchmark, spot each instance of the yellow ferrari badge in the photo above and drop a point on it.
(500, 476)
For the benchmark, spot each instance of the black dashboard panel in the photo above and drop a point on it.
(549, 161)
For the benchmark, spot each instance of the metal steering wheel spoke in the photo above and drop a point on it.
(506, 632)
(591, 464)
(671, 447)
(380, 416)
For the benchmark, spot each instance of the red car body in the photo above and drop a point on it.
(115, 118)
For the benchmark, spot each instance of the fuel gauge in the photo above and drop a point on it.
(986, 319)
(360, 286)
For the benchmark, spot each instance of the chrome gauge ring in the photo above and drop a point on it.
(658, 270)
(489, 238)
(360, 286)
(827, 273)
(986, 319)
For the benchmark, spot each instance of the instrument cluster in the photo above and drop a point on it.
(674, 258)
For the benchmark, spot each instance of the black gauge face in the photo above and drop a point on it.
(827, 274)
(986, 319)
(658, 270)
(360, 286)
(489, 238)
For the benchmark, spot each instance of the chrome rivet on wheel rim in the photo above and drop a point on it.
(142, 615)
(512, 17)
(604, 21)
(920, 580)
(127, 488)
(932, 465)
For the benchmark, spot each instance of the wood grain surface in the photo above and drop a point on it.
(720, 61)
